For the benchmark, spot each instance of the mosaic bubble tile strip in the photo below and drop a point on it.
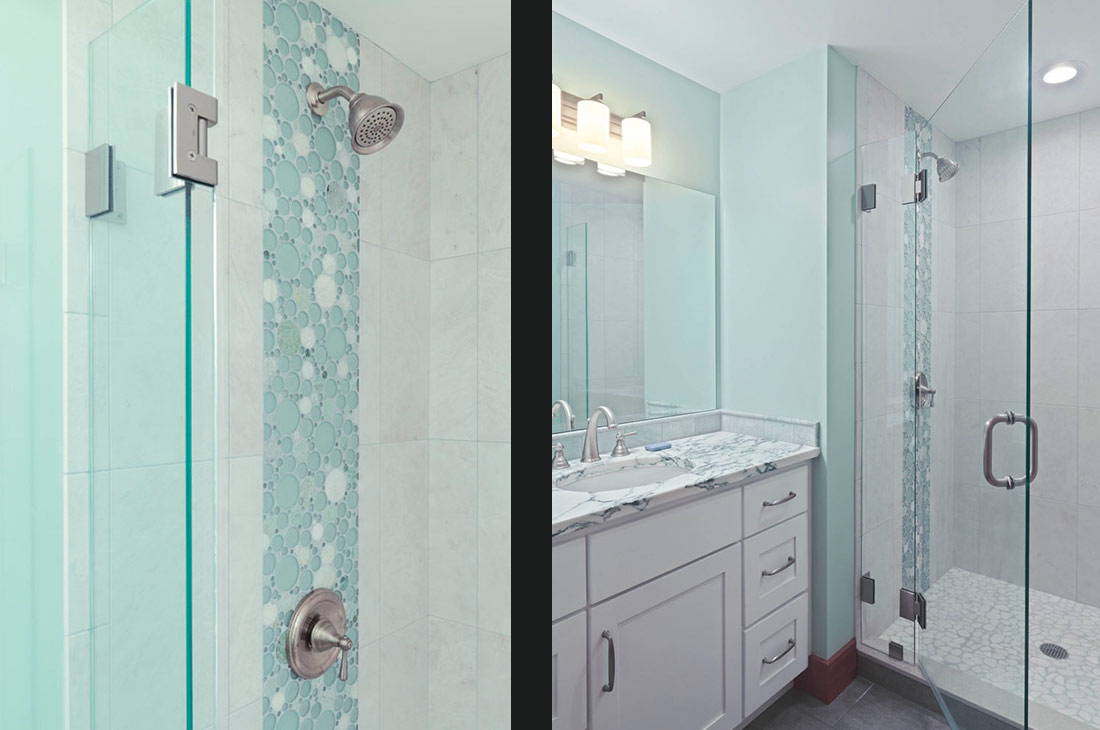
(976, 627)
(310, 358)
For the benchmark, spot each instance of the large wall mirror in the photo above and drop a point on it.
(633, 310)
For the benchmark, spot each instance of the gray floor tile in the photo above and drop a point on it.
(879, 708)
(831, 713)
(784, 715)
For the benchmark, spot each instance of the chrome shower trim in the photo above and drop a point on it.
(318, 97)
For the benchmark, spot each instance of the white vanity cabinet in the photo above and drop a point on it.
(691, 617)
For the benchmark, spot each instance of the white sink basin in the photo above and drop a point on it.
(625, 473)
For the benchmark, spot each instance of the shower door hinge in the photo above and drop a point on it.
(867, 588)
(570, 258)
(913, 607)
(104, 194)
(190, 115)
(920, 188)
(867, 197)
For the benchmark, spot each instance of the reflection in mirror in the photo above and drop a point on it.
(633, 292)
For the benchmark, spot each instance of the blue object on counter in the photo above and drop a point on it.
(658, 446)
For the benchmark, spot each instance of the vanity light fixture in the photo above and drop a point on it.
(609, 170)
(593, 124)
(637, 141)
(1062, 72)
(566, 158)
(555, 111)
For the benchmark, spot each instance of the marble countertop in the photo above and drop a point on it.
(717, 460)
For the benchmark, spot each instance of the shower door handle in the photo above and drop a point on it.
(1009, 482)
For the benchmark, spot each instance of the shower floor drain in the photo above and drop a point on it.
(1053, 651)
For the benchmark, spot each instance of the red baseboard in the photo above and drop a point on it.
(825, 679)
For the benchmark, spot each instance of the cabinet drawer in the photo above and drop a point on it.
(623, 557)
(770, 638)
(569, 674)
(777, 567)
(567, 578)
(769, 501)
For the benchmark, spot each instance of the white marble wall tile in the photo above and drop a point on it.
(1090, 159)
(404, 347)
(453, 531)
(405, 191)
(452, 378)
(1002, 368)
(968, 183)
(1088, 372)
(494, 681)
(1088, 544)
(1054, 357)
(1055, 166)
(882, 471)
(1004, 266)
(884, 269)
(968, 434)
(966, 526)
(78, 553)
(1089, 255)
(1054, 261)
(944, 197)
(84, 21)
(370, 342)
(494, 354)
(78, 681)
(75, 235)
(370, 686)
(403, 553)
(494, 150)
(247, 718)
(1057, 479)
(404, 680)
(1004, 175)
(968, 285)
(245, 102)
(943, 267)
(370, 545)
(494, 537)
(452, 676)
(245, 330)
(1002, 545)
(881, 556)
(77, 388)
(1053, 547)
(245, 580)
(1088, 457)
(883, 111)
(370, 166)
(454, 179)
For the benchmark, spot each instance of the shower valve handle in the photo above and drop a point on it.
(324, 636)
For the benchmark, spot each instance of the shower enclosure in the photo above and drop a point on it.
(976, 379)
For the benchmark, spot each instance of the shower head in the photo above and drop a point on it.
(374, 122)
(945, 168)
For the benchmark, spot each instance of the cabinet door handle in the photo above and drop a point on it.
(610, 686)
(780, 569)
(776, 503)
(780, 655)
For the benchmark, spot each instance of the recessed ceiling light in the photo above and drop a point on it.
(1060, 73)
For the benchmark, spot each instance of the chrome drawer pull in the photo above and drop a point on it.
(780, 569)
(776, 503)
(777, 657)
(610, 686)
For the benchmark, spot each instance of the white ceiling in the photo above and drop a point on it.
(435, 38)
(919, 50)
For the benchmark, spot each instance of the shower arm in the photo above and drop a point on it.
(318, 97)
(333, 92)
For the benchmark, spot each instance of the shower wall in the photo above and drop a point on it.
(1065, 346)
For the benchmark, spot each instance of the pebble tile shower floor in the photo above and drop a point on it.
(975, 624)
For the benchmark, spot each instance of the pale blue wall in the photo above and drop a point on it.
(787, 289)
(683, 113)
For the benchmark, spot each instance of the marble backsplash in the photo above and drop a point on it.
(692, 424)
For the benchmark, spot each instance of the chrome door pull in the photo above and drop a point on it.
(610, 686)
(780, 655)
(780, 569)
(776, 503)
(1009, 482)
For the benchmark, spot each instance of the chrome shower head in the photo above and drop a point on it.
(374, 121)
(945, 168)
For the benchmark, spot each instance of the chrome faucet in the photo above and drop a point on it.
(561, 405)
(590, 451)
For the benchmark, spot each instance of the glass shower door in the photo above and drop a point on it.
(976, 453)
(149, 613)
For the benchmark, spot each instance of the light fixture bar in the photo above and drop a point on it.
(569, 114)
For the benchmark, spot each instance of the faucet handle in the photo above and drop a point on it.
(620, 444)
(559, 461)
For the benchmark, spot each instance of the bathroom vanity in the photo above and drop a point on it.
(681, 603)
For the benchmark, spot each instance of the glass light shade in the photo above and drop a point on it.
(609, 170)
(568, 159)
(637, 146)
(593, 125)
(555, 113)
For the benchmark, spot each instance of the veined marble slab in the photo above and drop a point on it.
(718, 460)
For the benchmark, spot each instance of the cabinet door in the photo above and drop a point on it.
(568, 674)
(677, 651)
